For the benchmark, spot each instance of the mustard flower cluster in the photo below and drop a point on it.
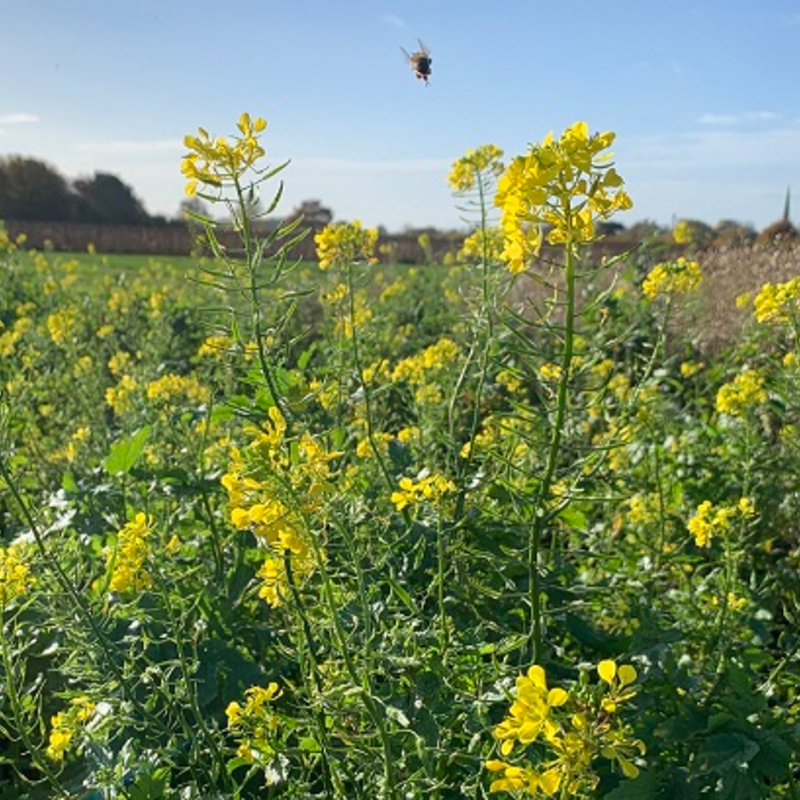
(254, 723)
(10, 338)
(61, 323)
(574, 728)
(672, 277)
(66, 724)
(430, 489)
(7, 246)
(488, 243)
(341, 243)
(744, 392)
(276, 488)
(15, 573)
(709, 521)
(778, 303)
(120, 397)
(563, 185)
(214, 162)
(414, 369)
(127, 559)
(171, 386)
(682, 234)
(467, 170)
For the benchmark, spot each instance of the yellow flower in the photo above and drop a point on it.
(66, 724)
(255, 723)
(61, 324)
(529, 715)
(341, 243)
(128, 558)
(745, 392)
(779, 303)
(431, 489)
(672, 277)
(468, 170)
(565, 185)
(213, 162)
(15, 574)
(682, 233)
(617, 679)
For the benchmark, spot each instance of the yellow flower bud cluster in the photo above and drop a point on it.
(744, 392)
(15, 574)
(254, 723)
(709, 521)
(563, 186)
(467, 170)
(127, 559)
(430, 489)
(778, 303)
(672, 277)
(341, 243)
(171, 386)
(486, 243)
(66, 724)
(415, 369)
(215, 161)
(275, 486)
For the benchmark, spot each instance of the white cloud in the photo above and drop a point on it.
(130, 147)
(18, 118)
(393, 20)
(742, 117)
(734, 150)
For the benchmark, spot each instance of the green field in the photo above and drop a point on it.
(520, 525)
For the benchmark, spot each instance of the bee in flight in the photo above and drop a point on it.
(420, 62)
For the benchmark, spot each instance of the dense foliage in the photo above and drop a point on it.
(356, 530)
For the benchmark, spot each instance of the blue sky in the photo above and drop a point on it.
(704, 95)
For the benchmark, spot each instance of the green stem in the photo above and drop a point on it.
(10, 689)
(486, 338)
(248, 240)
(356, 350)
(189, 686)
(542, 517)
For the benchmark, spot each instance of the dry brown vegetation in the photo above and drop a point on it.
(711, 319)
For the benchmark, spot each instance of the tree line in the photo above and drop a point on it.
(31, 190)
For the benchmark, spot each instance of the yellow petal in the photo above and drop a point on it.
(557, 697)
(550, 781)
(537, 676)
(607, 670)
(627, 674)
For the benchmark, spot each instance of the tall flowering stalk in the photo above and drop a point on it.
(228, 171)
(473, 178)
(556, 192)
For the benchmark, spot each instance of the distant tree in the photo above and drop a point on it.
(32, 190)
(608, 229)
(733, 234)
(313, 213)
(106, 199)
(645, 229)
(778, 232)
(702, 234)
(192, 205)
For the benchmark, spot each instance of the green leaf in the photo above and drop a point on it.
(68, 483)
(727, 751)
(124, 453)
(645, 787)
(574, 518)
